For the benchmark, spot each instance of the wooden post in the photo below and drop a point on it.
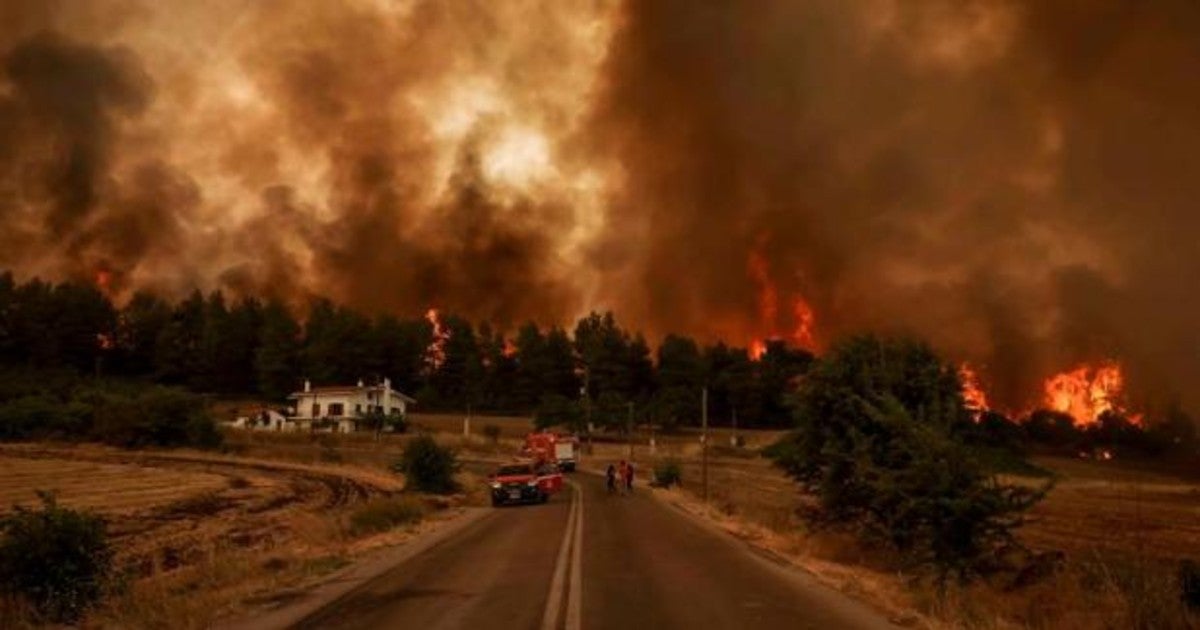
(704, 441)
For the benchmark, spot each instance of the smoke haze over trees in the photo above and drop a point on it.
(1012, 180)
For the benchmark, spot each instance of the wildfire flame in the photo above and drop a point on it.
(1087, 391)
(103, 280)
(974, 398)
(510, 349)
(803, 335)
(435, 354)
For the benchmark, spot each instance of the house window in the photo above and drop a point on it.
(336, 409)
(358, 409)
(316, 410)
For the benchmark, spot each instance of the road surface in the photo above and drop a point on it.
(589, 560)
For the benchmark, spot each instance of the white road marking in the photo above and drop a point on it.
(554, 599)
(575, 594)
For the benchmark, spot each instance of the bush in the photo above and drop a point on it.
(668, 473)
(157, 416)
(39, 416)
(428, 466)
(57, 559)
(492, 432)
(383, 514)
(379, 422)
(882, 441)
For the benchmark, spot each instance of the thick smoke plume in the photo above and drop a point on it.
(1014, 180)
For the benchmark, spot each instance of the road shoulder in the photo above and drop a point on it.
(346, 580)
(863, 612)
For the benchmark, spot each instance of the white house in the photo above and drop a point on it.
(341, 406)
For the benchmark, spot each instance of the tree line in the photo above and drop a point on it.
(599, 371)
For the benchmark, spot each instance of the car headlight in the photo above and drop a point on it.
(532, 484)
(495, 485)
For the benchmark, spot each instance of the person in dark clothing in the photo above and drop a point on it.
(611, 476)
(629, 477)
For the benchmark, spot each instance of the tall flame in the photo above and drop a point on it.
(435, 354)
(803, 335)
(974, 398)
(1087, 391)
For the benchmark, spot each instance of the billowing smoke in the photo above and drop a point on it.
(1014, 180)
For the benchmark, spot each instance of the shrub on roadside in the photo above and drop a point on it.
(383, 514)
(56, 559)
(668, 473)
(428, 466)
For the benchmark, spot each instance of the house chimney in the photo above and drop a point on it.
(307, 385)
(387, 384)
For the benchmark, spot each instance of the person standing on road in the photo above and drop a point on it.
(622, 474)
(611, 477)
(629, 477)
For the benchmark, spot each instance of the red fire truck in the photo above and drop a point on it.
(562, 450)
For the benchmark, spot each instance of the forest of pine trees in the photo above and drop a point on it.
(253, 348)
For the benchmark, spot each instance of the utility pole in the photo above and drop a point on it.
(629, 431)
(587, 410)
(734, 440)
(704, 441)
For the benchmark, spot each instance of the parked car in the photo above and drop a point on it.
(524, 483)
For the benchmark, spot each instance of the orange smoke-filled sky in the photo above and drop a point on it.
(1013, 180)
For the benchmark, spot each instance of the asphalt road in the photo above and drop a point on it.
(589, 560)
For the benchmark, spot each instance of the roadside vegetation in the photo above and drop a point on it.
(44, 405)
(55, 563)
(428, 466)
(385, 513)
(885, 446)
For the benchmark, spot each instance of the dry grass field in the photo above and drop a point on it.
(232, 532)
(1122, 530)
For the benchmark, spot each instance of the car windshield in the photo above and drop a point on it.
(514, 470)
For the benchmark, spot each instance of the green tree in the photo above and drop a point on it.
(337, 344)
(177, 349)
(558, 411)
(277, 358)
(533, 366)
(400, 351)
(458, 381)
(140, 323)
(880, 442)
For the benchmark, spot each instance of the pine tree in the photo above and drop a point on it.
(277, 358)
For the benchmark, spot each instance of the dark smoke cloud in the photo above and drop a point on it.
(1014, 180)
